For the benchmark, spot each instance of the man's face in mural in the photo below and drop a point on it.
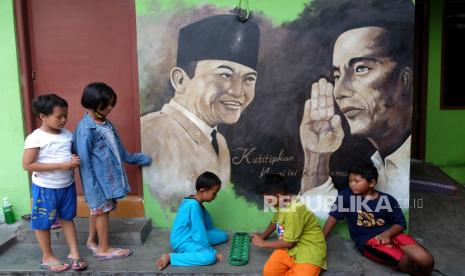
(218, 92)
(367, 82)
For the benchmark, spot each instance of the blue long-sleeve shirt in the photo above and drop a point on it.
(191, 224)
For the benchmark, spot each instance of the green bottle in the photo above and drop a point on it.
(8, 211)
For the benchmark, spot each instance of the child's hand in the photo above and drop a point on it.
(75, 161)
(72, 164)
(383, 238)
(257, 240)
(219, 257)
(258, 234)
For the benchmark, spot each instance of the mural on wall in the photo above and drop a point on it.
(306, 98)
(214, 82)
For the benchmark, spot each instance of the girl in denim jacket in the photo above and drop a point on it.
(104, 179)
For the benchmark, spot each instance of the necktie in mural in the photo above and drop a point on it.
(214, 141)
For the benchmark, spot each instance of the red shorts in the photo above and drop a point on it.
(389, 254)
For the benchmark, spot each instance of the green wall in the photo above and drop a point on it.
(279, 11)
(13, 180)
(445, 129)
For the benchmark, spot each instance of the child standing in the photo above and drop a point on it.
(301, 247)
(193, 235)
(104, 179)
(47, 155)
(376, 224)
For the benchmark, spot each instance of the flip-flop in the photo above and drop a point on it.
(77, 264)
(26, 217)
(113, 255)
(51, 265)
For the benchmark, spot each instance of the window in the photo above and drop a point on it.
(453, 52)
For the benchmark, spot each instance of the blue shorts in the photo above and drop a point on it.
(49, 204)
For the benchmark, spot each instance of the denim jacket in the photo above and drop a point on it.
(102, 174)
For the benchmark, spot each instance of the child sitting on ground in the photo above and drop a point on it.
(301, 246)
(47, 155)
(193, 235)
(376, 224)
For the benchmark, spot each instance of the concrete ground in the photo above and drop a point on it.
(438, 223)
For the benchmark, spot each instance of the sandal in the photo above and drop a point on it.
(77, 264)
(55, 266)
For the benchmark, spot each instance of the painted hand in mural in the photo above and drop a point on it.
(321, 134)
(321, 130)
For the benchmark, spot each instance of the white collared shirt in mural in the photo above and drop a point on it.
(181, 150)
(206, 129)
(394, 173)
(320, 199)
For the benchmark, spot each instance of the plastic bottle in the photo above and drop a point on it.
(8, 211)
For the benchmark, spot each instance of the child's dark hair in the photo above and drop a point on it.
(44, 104)
(273, 184)
(365, 170)
(207, 180)
(98, 95)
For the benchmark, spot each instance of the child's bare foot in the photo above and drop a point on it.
(50, 259)
(112, 253)
(52, 264)
(219, 257)
(163, 262)
(92, 246)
